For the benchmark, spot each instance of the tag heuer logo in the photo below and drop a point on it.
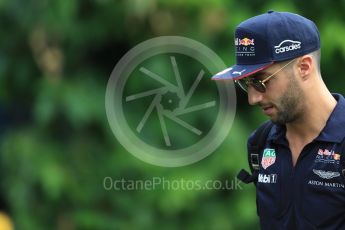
(268, 158)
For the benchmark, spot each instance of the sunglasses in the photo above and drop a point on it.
(259, 85)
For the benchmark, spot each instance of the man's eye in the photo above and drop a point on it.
(260, 77)
(256, 80)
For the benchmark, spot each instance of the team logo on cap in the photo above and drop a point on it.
(245, 47)
(287, 45)
(268, 158)
(244, 41)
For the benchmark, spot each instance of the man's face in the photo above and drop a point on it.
(282, 101)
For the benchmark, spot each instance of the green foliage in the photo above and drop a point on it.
(55, 61)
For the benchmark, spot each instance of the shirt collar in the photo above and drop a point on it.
(334, 129)
(332, 132)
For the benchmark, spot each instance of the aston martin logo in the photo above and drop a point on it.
(326, 174)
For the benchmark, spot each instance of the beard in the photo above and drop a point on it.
(290, 105)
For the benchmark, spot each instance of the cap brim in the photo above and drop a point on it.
(240, 71)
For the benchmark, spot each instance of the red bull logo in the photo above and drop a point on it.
(327, 156)
(325, 152)
(244, 42)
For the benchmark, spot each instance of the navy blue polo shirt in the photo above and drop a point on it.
(310, 195)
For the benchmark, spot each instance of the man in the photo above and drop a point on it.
(298, 171)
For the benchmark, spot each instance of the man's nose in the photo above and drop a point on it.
(254, 96)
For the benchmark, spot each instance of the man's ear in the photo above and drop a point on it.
(305, 65)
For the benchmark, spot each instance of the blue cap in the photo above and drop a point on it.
(268, 38)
